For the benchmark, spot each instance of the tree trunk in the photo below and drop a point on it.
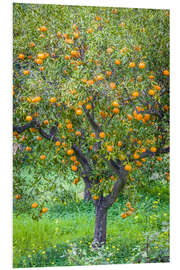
(100, 225)
(87, 194)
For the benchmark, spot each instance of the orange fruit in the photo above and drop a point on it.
(123, 215)
(112, 85)
(28, 148)
(73, 158)
(157, 87)
(42, 157)
(159, 158)
(76, 181)
(36, 99)
(69, 41)
(41, 68)
(139, 117)
(74, 168)
(151, 77)
(95, 197)
(58, 143)
(132, 65)
(98, 18)
(109, 148)
(135, 94)
(18, 196)
(136, 156)
(93, 135)
(151, 92)
(115, 104)
(39, 138)
(78, 133)
(166, 72)
(128, 167)
(130, 117)
(142, 65)
(44, 210)
(108, 73)
(53, 100)
(90, 30)
(88, 106)
(116, 110)
(102, 135)
(28, 118)
(70, 152)
(117, 62)
(46, 122)
(90, 147)
(90, 82)
(146, 116)
(79, 112)
(26, 72)
(43, 28)
(67, 57)
(34, 205)
(138, 163)
(21, 56)
(38, 61)
(153, 149)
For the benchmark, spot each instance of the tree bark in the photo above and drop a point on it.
(100, 225)
(87, 194)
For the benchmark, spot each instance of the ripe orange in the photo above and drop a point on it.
(139, 117)
(53, 100)
(93, 135)
(151, 92)
(58, 143)
(70, 152)
(166, 72)
(128, 167)
(90, 147)
(73, 158)
(116, 110)
(28, 118)
(18, 196)
(69, 126)
(74, 168)
(120, 143)
(136, 156)
(43, 28)
(76, 181)
(36, 99)
(69, 41)
(39, 138)
(130, 117)
(90, 82)
(88, 106)
(28, 148)
(157, 87)
(95, 197)
(46, 122)
(112, 85)
(44, 210)
(109, 148)
(42, 157)
(151, 77)
(153, 149)
(38, 61)
(41, 68)
(142, 65)
(132, 65)
(159, 158)
(135, 94)
(117, 62)
(34, 205)
(146, 116)
(90, 30)
(79, 111)
(108, 73)
(98, 18)
(138, 163)
(102, 135)
(78, 133)
(115, 104)
(21, 56)
(123, 215)
(26, 72)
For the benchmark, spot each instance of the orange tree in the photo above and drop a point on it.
(90, 92)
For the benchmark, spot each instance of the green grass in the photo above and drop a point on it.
(64, 225)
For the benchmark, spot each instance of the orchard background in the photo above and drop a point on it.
(91, 135)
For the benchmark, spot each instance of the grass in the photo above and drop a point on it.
(64, 225)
